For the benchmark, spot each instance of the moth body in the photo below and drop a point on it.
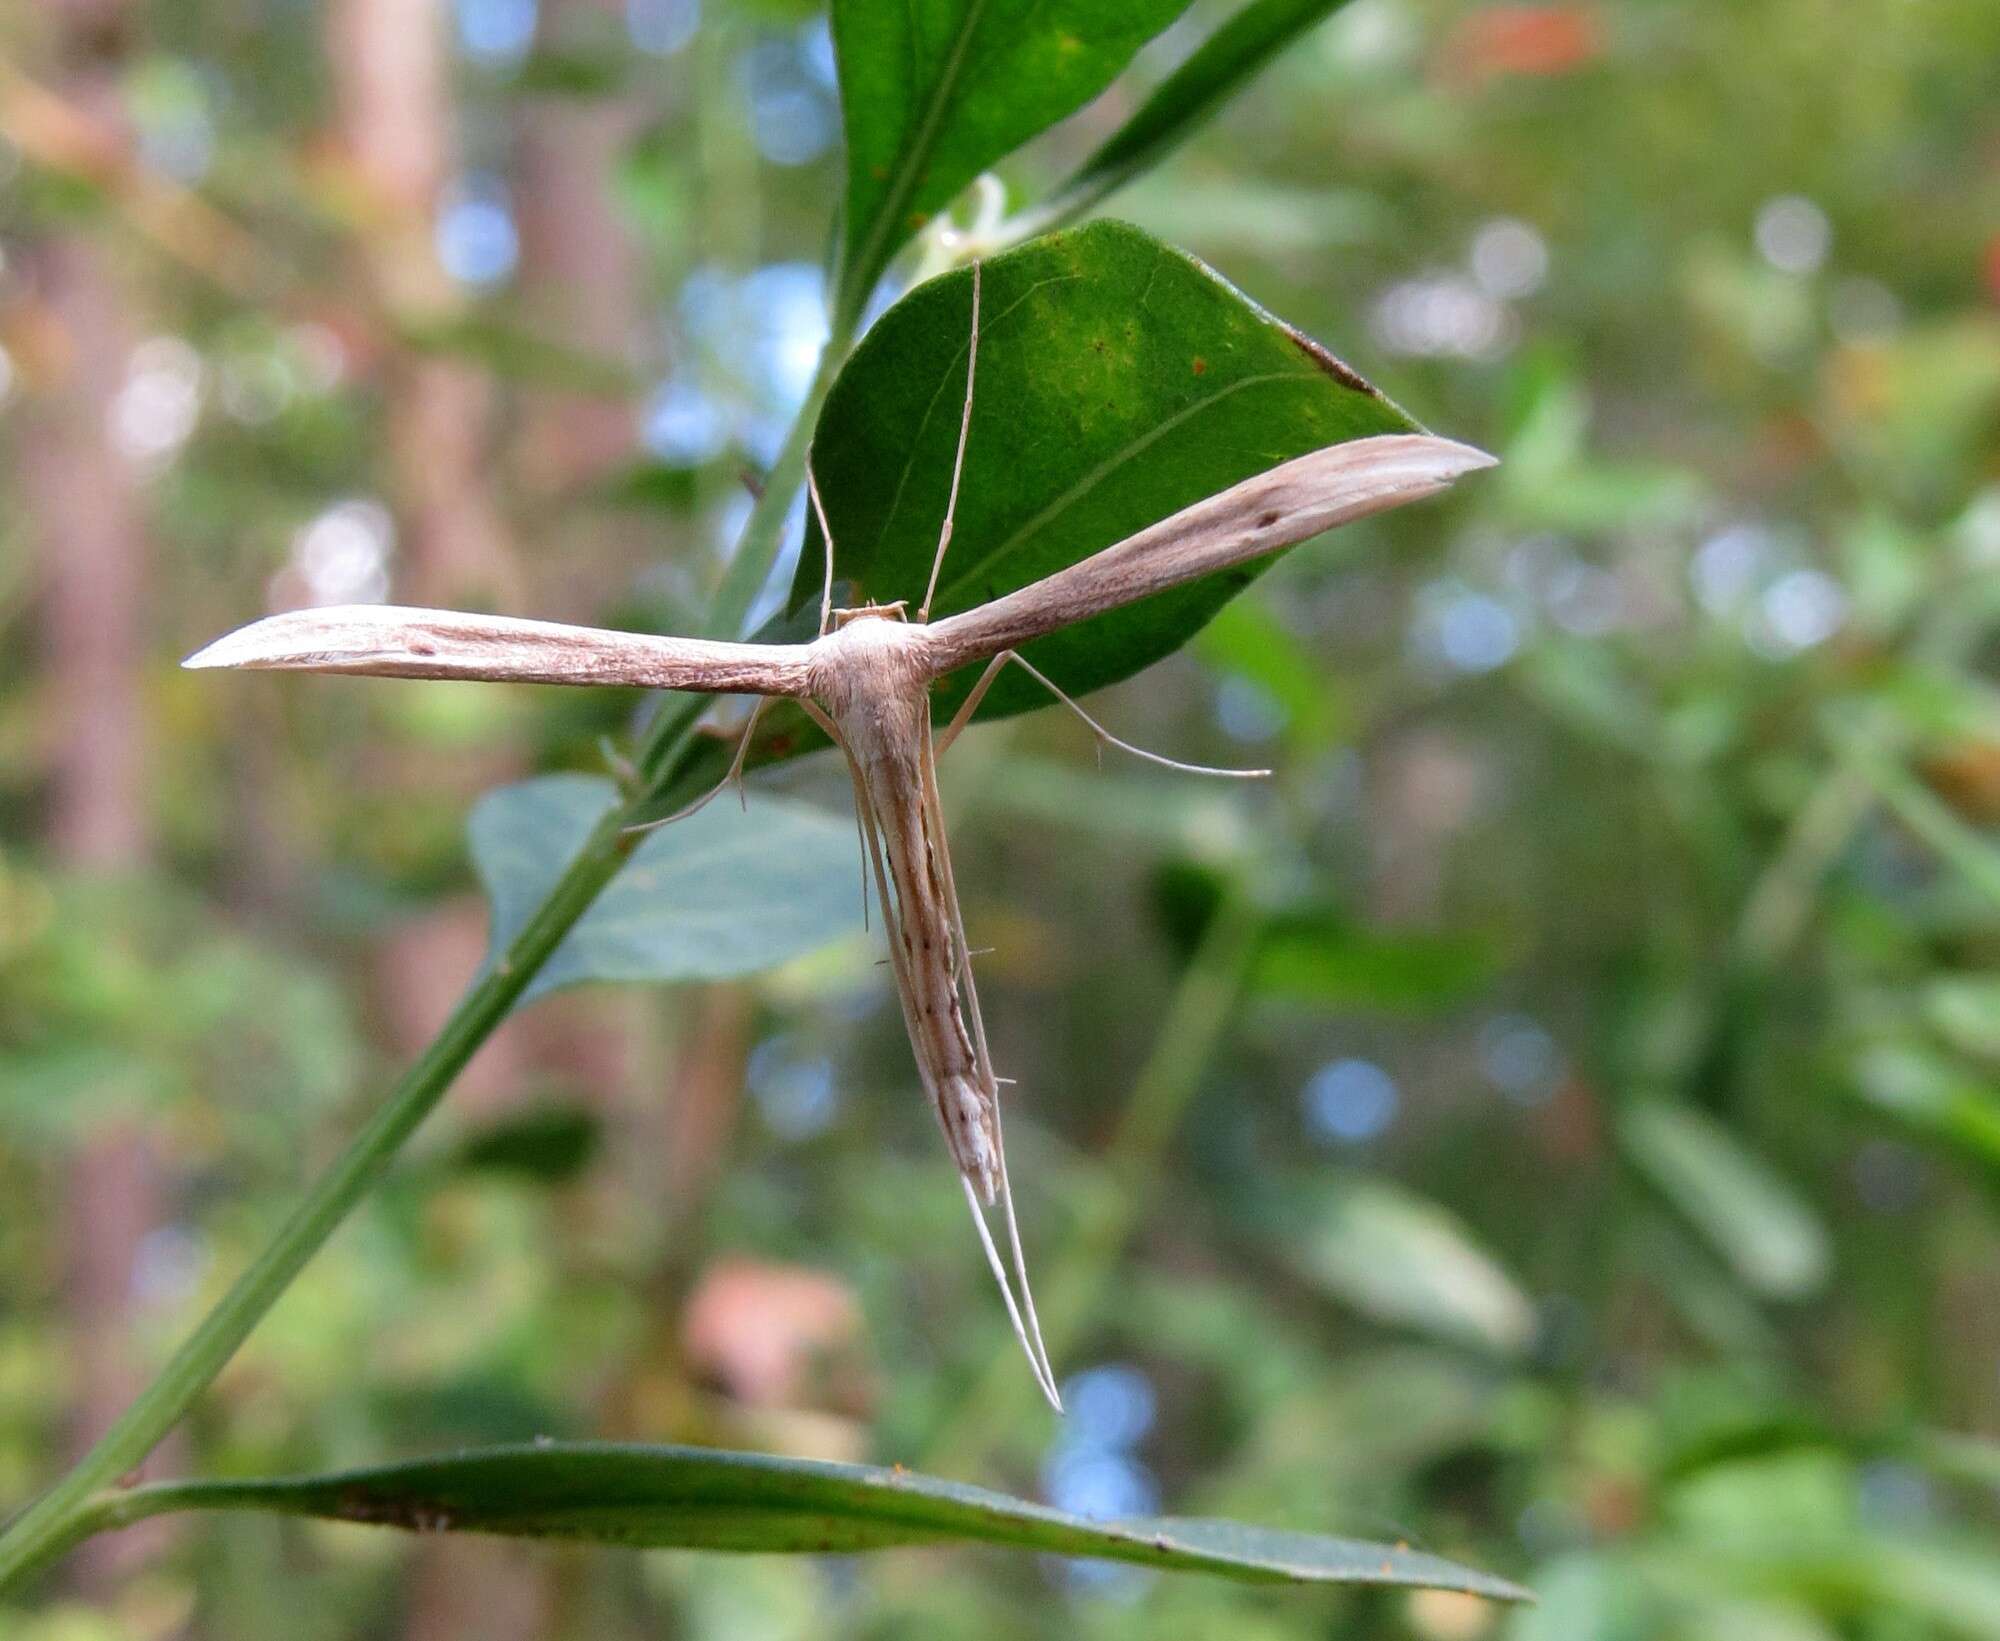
(866, 679)
(872, 675)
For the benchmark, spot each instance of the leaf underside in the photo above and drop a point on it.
(717, 894)
(699, 1498)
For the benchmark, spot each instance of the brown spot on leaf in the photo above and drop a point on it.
(1200, 365)
(1342, 372)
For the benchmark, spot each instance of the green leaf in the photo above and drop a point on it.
(1935, 1095)
(1328, 961)
(1248, 640)
(723, 892)
(1751, 1217)
(933, 92)
(1214, 72)
(517, 355)
(1119, 380)
(699, 1498)
(1401, 1259)
(549, 1143)
(1964, 1009)
(1965, 849)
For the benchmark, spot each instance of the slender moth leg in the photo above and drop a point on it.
(958, 462)
(734, 774)
(970, 704)
(978, 693)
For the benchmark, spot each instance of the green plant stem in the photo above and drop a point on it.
(66, 1514)
(750, 565)
(1959, 845)
(1196, 1018)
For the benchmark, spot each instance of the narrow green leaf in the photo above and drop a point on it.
(1934, 1094)
(1964, 848)
(1403, 1260)
(1327, 960)
(1765, 1231)
(518, 355)
(934, 92)
(724, 892)
(548, 1143)
(1200, 820)
(699, 1498)
(1119, 380)
(1964, 1009)
(1248, 640)
(1216, 70)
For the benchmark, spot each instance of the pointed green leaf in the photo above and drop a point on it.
(723, 892)
(1403, 1260)
(1213, 73)
(1119, 380)
(1749, 1215)
(933, 92)
(699, 1498)
(1328, 961)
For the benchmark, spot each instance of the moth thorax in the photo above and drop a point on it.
(870, 656)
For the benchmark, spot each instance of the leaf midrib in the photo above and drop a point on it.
(983, 567)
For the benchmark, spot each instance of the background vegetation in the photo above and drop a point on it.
(1556, 1124)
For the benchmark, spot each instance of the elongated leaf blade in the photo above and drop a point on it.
(1213, 73)
(1119, 381)
(1749, 1214)
(699, 1498)
(723, 892)
(1405, 1261)
(934, 92)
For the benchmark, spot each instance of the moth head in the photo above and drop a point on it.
(871, 611)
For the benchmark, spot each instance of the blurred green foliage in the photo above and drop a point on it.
(1557, 1123)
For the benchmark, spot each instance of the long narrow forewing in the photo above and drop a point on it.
(389, 641)
(1273, 510)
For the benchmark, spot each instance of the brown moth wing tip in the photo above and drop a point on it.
(226, 651)
(1456, 459)
(276, 641)
(310, 638)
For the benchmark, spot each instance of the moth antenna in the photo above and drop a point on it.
(735, 774)
(826, 535)
(1029, 1343)
(1106, 738)
(958, 462)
